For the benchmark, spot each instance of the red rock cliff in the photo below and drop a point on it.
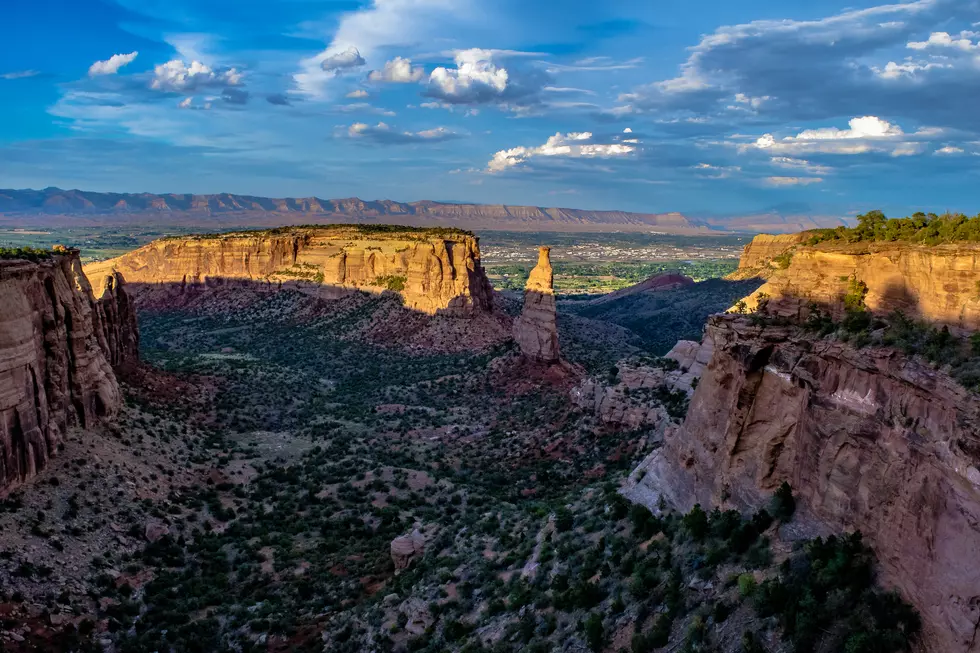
(57, 347)
(435, 271)
(869, 439)
(938, 283)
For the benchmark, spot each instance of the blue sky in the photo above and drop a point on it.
(712, 107)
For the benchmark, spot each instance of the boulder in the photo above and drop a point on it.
(406, 548)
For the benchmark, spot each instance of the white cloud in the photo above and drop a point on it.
(949, 149)
(111, 65)
(571, 145)
(20, 74)
(176, 76)
(865, 134)
(944, 40)
(382, 24)
(398, 71)
(595, 64)
(359, 94)
(800, 164)
(792, 181)
(385, 134)
(475, 79)
(188, 103)
(342, 61)
(908, 68)
(753, 102)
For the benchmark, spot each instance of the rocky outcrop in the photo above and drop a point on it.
(758, 255)
(436, 271)
(57, 343)
(536, 329)
(938, 283)
(626, 401)
(406, 549)
(869, 439)
(632, 399)
(119, 327)
(692, 358)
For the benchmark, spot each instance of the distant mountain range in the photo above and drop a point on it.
(57, 207)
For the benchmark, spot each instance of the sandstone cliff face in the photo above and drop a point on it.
(434, 273)
(57, 343)
(938, 283)
(536, 329)
(758, 255)
(869, 439)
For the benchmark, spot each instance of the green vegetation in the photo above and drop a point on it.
(391, 282)
(825, 599)
(28, 253)
(587, 279)
(928, 229)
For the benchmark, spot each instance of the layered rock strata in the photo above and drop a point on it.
(939, 283)
(436, 271)
(869, 439)
(57, 346)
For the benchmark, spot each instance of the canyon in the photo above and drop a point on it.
(434, 271)
(59, 343)
(869, 438)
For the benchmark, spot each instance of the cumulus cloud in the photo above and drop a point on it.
(479, 79)
(792, 181)
(111, 65)
(359, 94)
(177, 76)
(385, 134)
(571, 145)
(864, 134)
(944, 40)
(949, 149)
(377, 25)
(398, 71)
(820, 69)
(908, 68)
(341, 62)
(475, 79)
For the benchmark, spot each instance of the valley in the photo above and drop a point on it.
(360, 439)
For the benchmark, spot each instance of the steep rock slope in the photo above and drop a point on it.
(57, 347)
(938, 283)
(536, 329)
(869, 440)
(435, 271)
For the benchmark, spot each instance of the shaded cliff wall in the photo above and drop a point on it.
(433, 272)
(938, 283)
(57, 346)
(869, 439)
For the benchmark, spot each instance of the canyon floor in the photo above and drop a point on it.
(284, 478)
